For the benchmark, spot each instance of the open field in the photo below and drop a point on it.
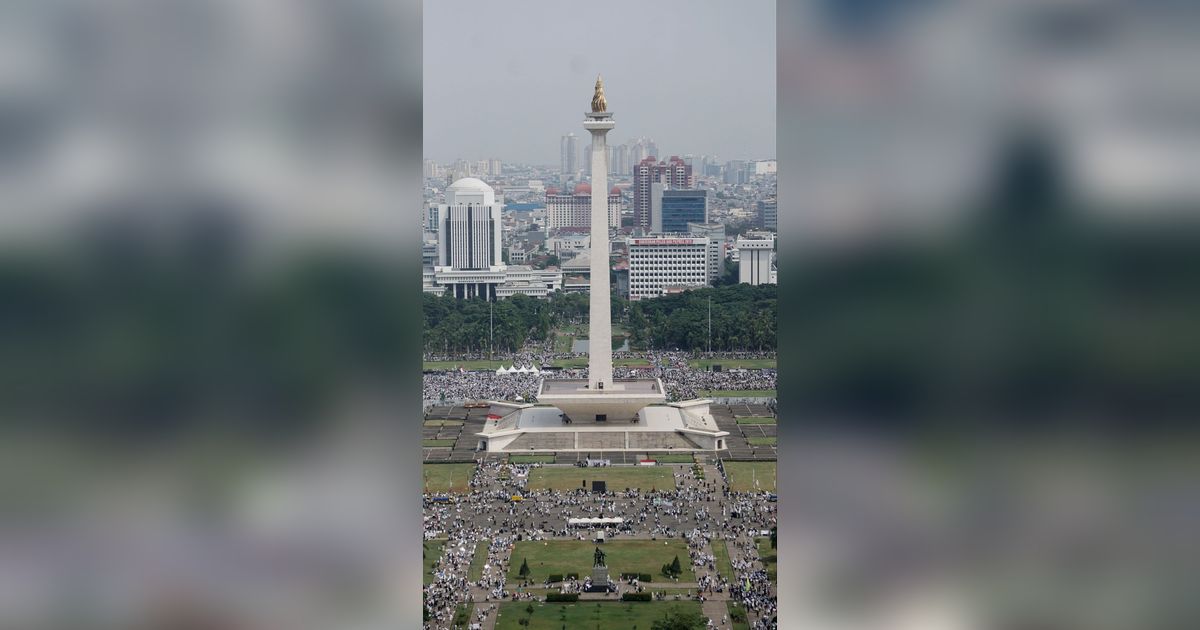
(586, 614)
(431, 552)
(531, 459)
(721, 558)
(475, 572)
(735, 610)
(742, 476)
(674, 458)
(729, 364)
(739, 393)
(617, 477)
(768, 556)
(466, 365)
(623, 556)
(756, 420)
(437, 443)
(447, 477)
(761, 441)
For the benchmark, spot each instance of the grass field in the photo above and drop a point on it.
(729, 364)
(768, 555)
(721, 556)
(443, 423)
(531, 459)
(743, 474)
(431, 551)
(447, 477)
(623, 556)
(672, 458)
(739, 393)
(436, 443)
(756, 420)
(617, 477)
(586, 615)
(735, 610)
(761, 441)
(466, 365)
(477, 561)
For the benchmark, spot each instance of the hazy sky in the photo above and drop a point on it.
(508, 79)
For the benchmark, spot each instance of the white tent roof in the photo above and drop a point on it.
(501, 370)
(615, 520)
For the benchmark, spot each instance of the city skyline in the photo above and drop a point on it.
(527, 89)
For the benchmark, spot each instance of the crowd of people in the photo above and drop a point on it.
(681, 381)
(699, 510)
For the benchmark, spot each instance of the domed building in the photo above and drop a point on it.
(469, 258)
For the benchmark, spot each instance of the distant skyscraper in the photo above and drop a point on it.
(677, 208)
(587, 158)
(768, 214)
(569, 155)
(674, 174)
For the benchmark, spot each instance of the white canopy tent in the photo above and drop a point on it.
(590, 522)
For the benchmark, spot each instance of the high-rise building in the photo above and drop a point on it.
(715, 232)
(587, 158)
(754, 260)
(569, 155)
(574, 210)
(659, 264)
(672, 210)
(495, 167)
(674, 174)
(469, 244)
(735, 172)
(432, 169)
(768, 214)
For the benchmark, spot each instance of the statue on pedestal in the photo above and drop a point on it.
(598, 102)
(599, 558)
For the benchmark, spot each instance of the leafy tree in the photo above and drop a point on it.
(676, 568)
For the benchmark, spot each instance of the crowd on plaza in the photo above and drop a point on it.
(681, 381)
(700, 511)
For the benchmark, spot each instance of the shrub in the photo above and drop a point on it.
(562, 597)
(556, 577)
(636, 597)
(629, 576)
(572, 576)
(645, 577)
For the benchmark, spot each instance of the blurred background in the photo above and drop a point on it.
(989, 260)
(210, 327)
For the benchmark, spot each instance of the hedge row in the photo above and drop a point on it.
(636, 597)
(555, 577)
(562, 597)
(572, 576)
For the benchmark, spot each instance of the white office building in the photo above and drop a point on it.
(660, 264)
(755, 257)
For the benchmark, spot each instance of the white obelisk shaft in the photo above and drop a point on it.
(600, 321)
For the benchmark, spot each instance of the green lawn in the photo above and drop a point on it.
(761, 441)
(617, 477)
(447, 477)
(562, 342)
(729, 364)
(767, 555)
(466, 365)
(431, 552)
(435, 443)
(478, 560)
(739, 393)
(531, 459)
(742, 476)
(576, 556)
(462, 616)
(756, 420)
(735, 610)
(586, 615)
(721, 554)
(672, 458)
(443, 423)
